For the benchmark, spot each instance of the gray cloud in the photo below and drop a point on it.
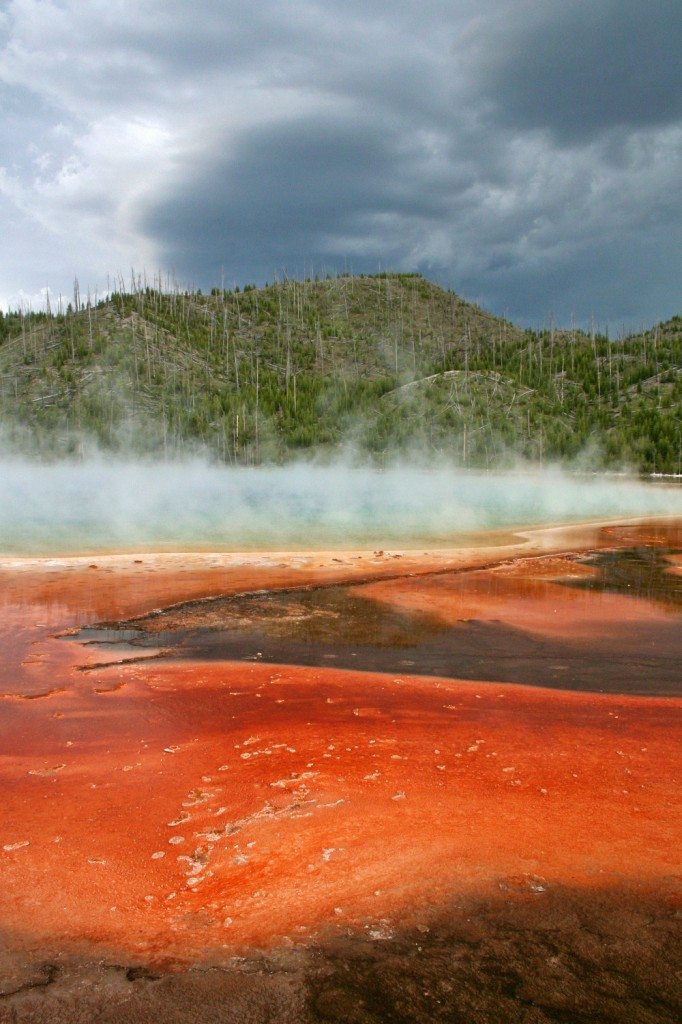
(527, 154)
(309, 191)
(580, 68)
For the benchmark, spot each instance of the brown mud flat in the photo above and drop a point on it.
(399, 844)
(566, 957)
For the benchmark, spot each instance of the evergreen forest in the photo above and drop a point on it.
(378, 366)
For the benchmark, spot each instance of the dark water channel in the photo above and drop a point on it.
(341, 627)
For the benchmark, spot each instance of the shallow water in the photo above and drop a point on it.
(346, 627)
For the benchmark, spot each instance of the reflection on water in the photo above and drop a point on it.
(641, 572)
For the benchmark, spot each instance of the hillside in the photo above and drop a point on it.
(383, 364)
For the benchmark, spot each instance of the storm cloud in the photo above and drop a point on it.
(526, 154)
(578, 69)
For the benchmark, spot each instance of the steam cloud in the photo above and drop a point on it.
(124, 505)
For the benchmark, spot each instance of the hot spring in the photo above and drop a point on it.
(66, 508)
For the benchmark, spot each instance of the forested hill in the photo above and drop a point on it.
(383, 364)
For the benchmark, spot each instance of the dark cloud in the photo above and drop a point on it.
(295, 194)
(583, 67)
(640, 285)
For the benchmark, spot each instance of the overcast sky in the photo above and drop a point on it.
(527, 153)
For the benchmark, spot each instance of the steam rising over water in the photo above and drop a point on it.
(93, 506)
